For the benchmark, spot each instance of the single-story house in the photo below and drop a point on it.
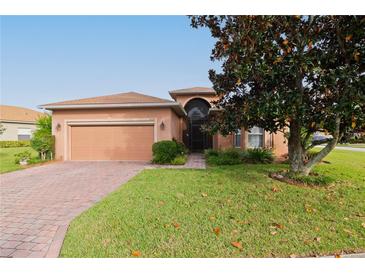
(19, 123)
(124, 126)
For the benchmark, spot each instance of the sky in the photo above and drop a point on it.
(46, 59)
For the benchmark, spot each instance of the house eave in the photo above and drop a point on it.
(174, 93)
(177, 107)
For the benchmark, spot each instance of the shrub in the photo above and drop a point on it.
(258, 156)
(211, 152)
(7, 144)
(181, 149)
(225, 157)
(22, 156)
(42, 140)
(165, 152)
(179, 160)
(357, 140)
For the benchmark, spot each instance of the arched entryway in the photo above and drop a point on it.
(194, 138)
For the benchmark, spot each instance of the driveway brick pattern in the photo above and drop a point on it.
(37, 204)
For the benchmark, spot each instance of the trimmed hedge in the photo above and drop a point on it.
(7, 144)
(164, 152)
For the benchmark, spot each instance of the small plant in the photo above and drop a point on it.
(42, 140)
(179, 160)
(22, 157)
(258, 156)
(164, 152)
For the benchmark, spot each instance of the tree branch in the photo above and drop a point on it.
(327, 149)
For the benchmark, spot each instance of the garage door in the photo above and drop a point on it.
(111, 142)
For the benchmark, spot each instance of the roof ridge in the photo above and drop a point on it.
(109, 97)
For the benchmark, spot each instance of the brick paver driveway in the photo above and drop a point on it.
(37, 204)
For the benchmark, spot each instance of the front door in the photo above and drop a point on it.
(197, 139)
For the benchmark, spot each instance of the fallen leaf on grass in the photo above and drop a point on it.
(136, 253)
(273, 233)
(236, 245)
(309, 209)
(204, 194)
(292, 255)
(243, 222)
(274, 189)
(348, 231)
(176, 225)
(279, 226)
(363, 225)
(212, 218)
(106, 242)
(217, 231)
(317, 239)
(234, 232)
(337, 256)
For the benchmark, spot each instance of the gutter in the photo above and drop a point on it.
(174, 93)
(177, 107)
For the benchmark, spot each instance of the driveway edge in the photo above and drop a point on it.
(56, 244)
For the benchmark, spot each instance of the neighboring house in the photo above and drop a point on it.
(19, 122)
(124, 126)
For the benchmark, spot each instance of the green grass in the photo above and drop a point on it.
(7, 158)
(269, 218)
(352, 145)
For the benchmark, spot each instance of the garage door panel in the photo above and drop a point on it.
(111, 142)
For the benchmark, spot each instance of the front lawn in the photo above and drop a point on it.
(233, 211)
(7, 159)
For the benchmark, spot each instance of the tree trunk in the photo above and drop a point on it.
(295, 149)
(297, 152)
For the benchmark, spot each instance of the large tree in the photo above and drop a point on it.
(299, 74)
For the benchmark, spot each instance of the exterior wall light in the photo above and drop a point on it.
(58, 126)
(162, 125)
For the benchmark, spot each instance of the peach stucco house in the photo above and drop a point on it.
(124, 126)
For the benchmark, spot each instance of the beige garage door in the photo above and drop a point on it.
(111, 142)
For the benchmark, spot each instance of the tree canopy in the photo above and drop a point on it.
(299, 74)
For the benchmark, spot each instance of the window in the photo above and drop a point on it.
(24, 134)
(237, 138)
(256, 137)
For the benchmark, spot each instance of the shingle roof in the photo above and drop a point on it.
(19, 114)
(120, 98)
